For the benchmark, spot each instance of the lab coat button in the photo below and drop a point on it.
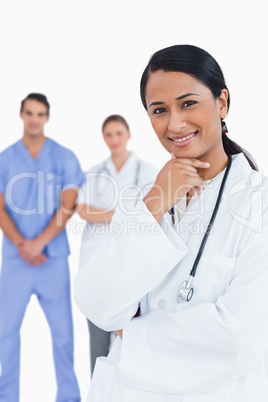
(162, 303)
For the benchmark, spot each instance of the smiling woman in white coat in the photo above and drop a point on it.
(121, 178)
(186, 286)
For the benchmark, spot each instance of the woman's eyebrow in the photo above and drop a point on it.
(156, 103)
(185, 96)
(179, 98)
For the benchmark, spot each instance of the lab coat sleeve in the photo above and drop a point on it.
(207, 345)
(125, 267)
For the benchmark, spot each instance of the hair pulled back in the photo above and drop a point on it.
(115, 117)
(201, 65)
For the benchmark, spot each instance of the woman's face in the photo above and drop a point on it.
(185, 115)
(116, 136)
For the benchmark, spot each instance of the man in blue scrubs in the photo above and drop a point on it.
(38, 187)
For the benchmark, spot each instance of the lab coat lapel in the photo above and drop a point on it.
(110, 167)
(130, 163)
(127, 173)
(124, 176)
(203, 206)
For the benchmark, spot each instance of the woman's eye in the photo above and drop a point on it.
(188, 103)
(159, 110)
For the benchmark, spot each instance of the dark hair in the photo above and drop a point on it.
(200, 64)
(114, 117)
(38, 97)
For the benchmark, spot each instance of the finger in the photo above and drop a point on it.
(43, 258)
(32, 257)
(184, 166)
(22, 254)
(195, 189)
(194, 162)
(192, 173)
(173, 156)
(37, 260)
(194, 181)
(34, 263)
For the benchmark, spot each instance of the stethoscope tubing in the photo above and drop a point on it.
(212, 219)
(186, 290)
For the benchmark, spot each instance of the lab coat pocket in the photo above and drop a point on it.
(102, 381)
(105, 385)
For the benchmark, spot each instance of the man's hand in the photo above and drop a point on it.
(31, 251)
(40, 259)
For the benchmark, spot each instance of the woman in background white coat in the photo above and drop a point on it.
(210, 347)
(119, 179)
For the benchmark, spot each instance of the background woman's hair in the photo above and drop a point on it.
(200, 64)
(114, 117)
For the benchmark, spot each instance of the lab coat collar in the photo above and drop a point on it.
(130, 163)
(205, 203)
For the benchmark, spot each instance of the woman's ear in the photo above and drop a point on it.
(223, 104)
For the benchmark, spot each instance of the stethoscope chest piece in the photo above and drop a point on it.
(185, 291)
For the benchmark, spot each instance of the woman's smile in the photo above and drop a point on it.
(183, 140)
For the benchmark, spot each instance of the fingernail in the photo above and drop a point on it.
(207, 164)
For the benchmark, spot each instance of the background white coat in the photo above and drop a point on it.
(87, 57)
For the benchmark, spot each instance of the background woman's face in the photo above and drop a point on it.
(116, 136)
(185, 115)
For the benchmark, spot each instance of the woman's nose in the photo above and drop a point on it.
(176, 123)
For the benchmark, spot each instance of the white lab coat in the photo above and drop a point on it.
(104, 188)
(211, 349)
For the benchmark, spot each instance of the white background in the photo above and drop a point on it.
(87, 57)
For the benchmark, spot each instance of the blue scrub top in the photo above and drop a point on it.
(32, 189)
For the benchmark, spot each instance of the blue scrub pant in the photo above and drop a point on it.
(51, 284)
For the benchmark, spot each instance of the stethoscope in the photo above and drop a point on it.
(186, 290)
(103, 171)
